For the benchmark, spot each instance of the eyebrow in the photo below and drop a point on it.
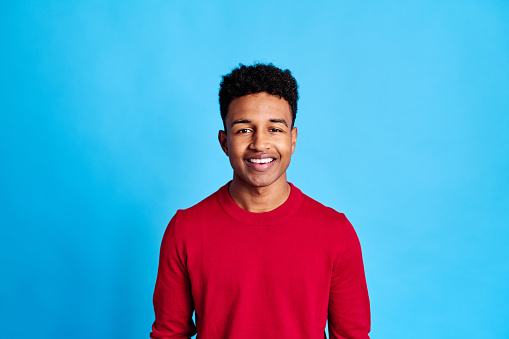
(246, 121)
(281, 121)
(241, 121)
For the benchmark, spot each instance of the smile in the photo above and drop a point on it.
(261, 161)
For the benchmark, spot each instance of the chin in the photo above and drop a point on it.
(260, 182)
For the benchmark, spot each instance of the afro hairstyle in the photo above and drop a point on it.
(258, 78)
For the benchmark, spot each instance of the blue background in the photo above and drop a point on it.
(109, 121)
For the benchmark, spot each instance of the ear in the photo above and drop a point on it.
(223, 141)
(294, 138)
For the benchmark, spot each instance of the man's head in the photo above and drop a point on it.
(258, 78)
(258, 105)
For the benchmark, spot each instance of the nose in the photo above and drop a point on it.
(260, 141)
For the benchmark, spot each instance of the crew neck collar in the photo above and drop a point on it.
(265, 218)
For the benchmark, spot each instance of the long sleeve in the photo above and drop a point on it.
(173, 301)
(349, 311)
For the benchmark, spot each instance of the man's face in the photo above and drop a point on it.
(259, 139)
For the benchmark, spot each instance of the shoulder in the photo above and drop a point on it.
(200, 214)
(314, 208)
(332, 226)
(203, 207)
(325, 220)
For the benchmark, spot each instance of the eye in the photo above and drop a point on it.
(243, 130)
(275, 130)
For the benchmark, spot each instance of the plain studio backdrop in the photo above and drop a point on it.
(109, 120)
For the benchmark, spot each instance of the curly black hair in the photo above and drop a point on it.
(258, 78)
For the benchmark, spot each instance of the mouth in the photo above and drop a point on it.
(261, 161)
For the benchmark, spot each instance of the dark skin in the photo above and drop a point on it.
(259, 142)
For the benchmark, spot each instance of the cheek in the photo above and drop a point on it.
(288, 147)
(235, 149)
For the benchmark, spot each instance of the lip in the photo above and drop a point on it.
(260, 167)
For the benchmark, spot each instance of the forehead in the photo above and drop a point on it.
(259, 106)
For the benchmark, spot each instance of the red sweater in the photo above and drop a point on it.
(278, 274)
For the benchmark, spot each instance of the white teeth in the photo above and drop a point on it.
(261, 161)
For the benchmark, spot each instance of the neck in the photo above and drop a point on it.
(259, 199)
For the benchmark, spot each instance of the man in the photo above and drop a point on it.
(258, 258)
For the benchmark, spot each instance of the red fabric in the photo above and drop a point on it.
(278, 274)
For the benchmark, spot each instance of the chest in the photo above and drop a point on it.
(239, 257)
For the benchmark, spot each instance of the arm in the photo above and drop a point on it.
(173, 302)
(349, 312)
